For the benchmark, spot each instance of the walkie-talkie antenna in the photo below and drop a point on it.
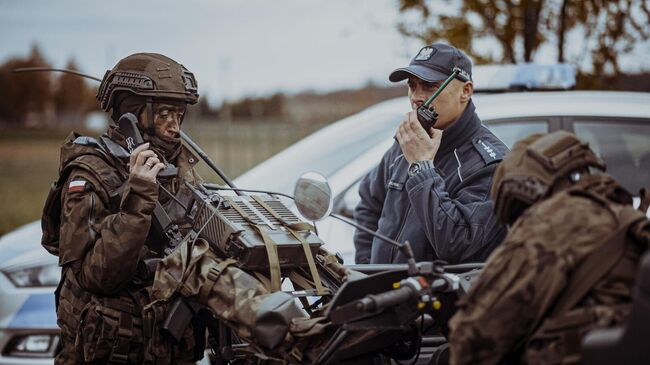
(442, 87)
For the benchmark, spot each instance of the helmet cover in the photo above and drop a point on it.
(534, 166)
(149, 75)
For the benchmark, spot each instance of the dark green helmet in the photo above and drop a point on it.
(149, 75)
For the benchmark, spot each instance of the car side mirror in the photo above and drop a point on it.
(313, 196)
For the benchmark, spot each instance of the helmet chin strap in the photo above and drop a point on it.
(151, 127)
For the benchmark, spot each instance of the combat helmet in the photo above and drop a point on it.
(151, 76)
(532, 169)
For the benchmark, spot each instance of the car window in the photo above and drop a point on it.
(511, 131)
(625, 147)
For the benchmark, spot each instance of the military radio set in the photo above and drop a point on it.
(238, 225)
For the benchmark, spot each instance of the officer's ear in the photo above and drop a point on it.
(466, 91)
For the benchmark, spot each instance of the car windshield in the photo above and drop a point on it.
(624, 147)
(327, 150)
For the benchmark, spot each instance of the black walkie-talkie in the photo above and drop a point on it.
(128, 125)
(427, 115)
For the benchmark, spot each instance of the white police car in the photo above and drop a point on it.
(617, 124)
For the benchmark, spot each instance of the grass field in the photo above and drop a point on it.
(29, 159)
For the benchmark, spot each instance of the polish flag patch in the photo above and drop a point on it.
(77, 185)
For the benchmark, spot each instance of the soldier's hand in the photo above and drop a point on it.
(144, 163)
(415, 142)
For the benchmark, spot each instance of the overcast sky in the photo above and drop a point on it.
(235, 48)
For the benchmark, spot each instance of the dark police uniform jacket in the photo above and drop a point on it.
(445, 212)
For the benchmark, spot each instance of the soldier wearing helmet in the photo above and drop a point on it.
(120, 281)
(566, 266)
(98, 217)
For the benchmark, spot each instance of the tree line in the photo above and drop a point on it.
(47, 99)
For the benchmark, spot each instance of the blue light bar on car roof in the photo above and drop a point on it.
(525, 76)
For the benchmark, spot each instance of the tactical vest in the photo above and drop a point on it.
(557, 340)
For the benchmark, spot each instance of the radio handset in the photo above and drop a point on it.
(128, 126)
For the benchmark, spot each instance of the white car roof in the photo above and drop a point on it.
(563, 103)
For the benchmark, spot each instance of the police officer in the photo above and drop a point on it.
(98, 218)
(567, 265)
(431, 187)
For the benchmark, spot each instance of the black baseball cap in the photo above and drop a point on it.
(435, 63)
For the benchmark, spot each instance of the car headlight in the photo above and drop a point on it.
(33, 345)
(37, 276)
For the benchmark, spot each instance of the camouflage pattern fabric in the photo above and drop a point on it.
(526, 274)
(271, 322)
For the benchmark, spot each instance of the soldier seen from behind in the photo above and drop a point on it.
(567, 265)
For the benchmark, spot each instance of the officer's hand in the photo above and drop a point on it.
(415, 142)
(144, 164)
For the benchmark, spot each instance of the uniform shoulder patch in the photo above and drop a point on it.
(77, 185)
(487, 150)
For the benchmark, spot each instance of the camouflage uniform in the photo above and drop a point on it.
(98, 219)
(509, 306)
(103, 243)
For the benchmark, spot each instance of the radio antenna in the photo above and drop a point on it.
(47, 69)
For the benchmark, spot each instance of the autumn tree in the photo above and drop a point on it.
(509, 22)
(609, 27)
(613, 27)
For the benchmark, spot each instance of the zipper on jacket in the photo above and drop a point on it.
(399, 232)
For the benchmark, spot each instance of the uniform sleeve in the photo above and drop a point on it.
(104, 247)
(461, 227)
(516, 287)
(367, 213)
